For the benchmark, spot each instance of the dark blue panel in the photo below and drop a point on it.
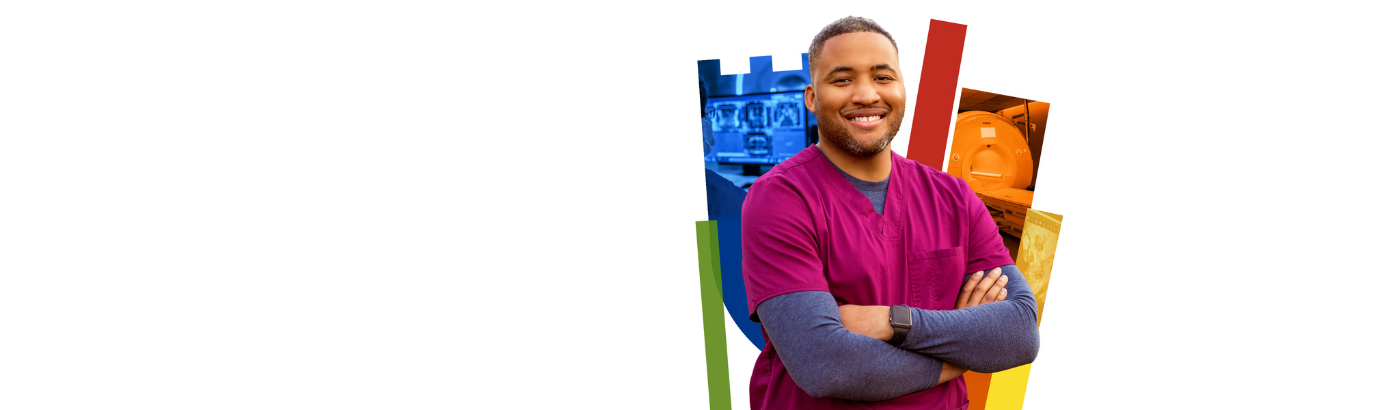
(735, 293)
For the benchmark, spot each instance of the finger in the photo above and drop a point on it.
(984, 292)
(983, 287)
(996, 289)
(1002, 296)
(967, 291)
(965, 298)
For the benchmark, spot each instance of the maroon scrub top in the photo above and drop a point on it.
(806, 228)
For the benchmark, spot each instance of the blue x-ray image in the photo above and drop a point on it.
(751, 123)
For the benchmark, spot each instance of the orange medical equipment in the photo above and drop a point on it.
(989, 152)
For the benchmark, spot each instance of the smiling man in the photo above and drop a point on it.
(856, 259)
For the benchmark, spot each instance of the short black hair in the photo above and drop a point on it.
(845, 25)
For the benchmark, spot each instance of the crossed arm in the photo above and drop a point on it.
(839, 351)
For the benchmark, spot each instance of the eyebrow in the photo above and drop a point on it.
(878, 67)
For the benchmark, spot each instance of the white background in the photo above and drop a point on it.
(417, 205)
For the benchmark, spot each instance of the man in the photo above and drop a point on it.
(854, 257)
(725, 200)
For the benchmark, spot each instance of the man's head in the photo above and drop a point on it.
(856, 90)
(707, 130)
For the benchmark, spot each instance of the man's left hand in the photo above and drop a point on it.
(982, 288)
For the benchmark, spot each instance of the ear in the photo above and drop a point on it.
(810, 98)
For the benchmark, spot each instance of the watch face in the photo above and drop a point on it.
(900, 311)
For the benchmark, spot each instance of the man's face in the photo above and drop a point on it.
(856, 93)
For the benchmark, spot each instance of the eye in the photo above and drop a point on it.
(841, 80)
(884, 78)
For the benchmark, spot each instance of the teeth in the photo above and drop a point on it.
(872, 118)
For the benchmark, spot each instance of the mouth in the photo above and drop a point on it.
(866, 120)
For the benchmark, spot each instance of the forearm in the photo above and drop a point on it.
(987, 338)
(827, 360)
(950, 372)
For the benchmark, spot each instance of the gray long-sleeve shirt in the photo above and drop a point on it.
(827, 360)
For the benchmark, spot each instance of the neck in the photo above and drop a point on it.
(871, 168)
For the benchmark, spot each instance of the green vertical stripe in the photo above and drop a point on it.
(714, 251)
(711, 301)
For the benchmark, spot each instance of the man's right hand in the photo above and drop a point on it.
(982, 289)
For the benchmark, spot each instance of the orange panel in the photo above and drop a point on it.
(978, 384)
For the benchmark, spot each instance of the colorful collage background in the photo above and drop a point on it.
(929, 139)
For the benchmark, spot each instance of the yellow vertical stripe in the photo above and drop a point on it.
(1008, 389)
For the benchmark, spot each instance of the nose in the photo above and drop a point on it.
(865, 93)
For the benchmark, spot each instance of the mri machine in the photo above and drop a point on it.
(992, 155)
(990, 152)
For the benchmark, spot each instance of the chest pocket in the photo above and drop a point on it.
(935, 277)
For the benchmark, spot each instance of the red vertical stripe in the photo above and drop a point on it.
(934, 100)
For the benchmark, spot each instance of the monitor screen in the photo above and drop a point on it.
(758, 129)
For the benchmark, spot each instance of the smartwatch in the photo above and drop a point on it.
(900, 324)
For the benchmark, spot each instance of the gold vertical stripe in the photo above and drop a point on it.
(1008, 389)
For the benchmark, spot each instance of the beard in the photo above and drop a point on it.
(836, 132)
